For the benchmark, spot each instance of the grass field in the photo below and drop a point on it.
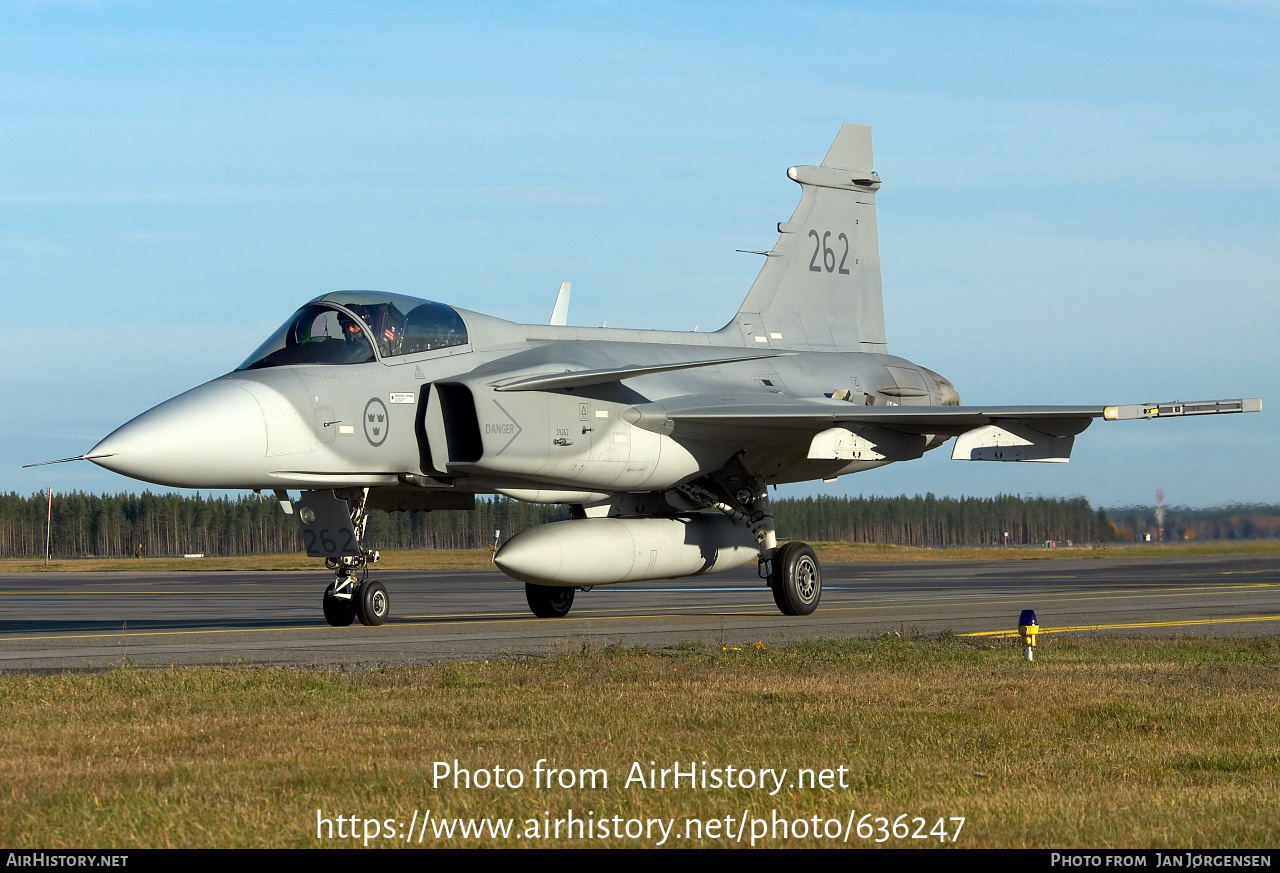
(457, 559)
(1099, 743)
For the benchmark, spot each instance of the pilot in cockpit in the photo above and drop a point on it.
(351, 331)
(384, 321)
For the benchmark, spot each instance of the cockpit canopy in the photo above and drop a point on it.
(344, 327)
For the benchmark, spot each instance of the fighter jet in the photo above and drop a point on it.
(663, 444)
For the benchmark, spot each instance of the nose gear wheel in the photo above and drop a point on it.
(371, 603)
(338, 611)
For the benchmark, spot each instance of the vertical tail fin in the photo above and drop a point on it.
(560, 315)
(820, 285)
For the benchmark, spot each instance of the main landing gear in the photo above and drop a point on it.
(795, 578)
(792, 570)
(548, 601)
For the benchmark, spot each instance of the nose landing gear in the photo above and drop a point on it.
(353, 595)
(331, 528)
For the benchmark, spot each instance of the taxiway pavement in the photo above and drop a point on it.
(56, 621)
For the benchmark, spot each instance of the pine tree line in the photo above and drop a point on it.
(1181, 523)
(117, 525)
(940, 521)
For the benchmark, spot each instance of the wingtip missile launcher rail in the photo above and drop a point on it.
(1134, 411)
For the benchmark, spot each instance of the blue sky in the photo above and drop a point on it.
(1080, 201)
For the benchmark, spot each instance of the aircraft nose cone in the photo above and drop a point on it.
(213, 436)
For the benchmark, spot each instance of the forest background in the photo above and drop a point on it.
(149, 524)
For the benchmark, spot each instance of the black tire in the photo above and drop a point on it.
(548, 601)
(372, 603)
(338, 611)
(796, 580)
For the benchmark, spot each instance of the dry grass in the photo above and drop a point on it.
(1100, 743)
(464, 559)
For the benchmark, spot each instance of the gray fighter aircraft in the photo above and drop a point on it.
(662, 443)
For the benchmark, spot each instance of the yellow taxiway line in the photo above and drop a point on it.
(1129, 625)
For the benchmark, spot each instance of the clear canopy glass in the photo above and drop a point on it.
(404, 325)
(323, 334)
(316, 334)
